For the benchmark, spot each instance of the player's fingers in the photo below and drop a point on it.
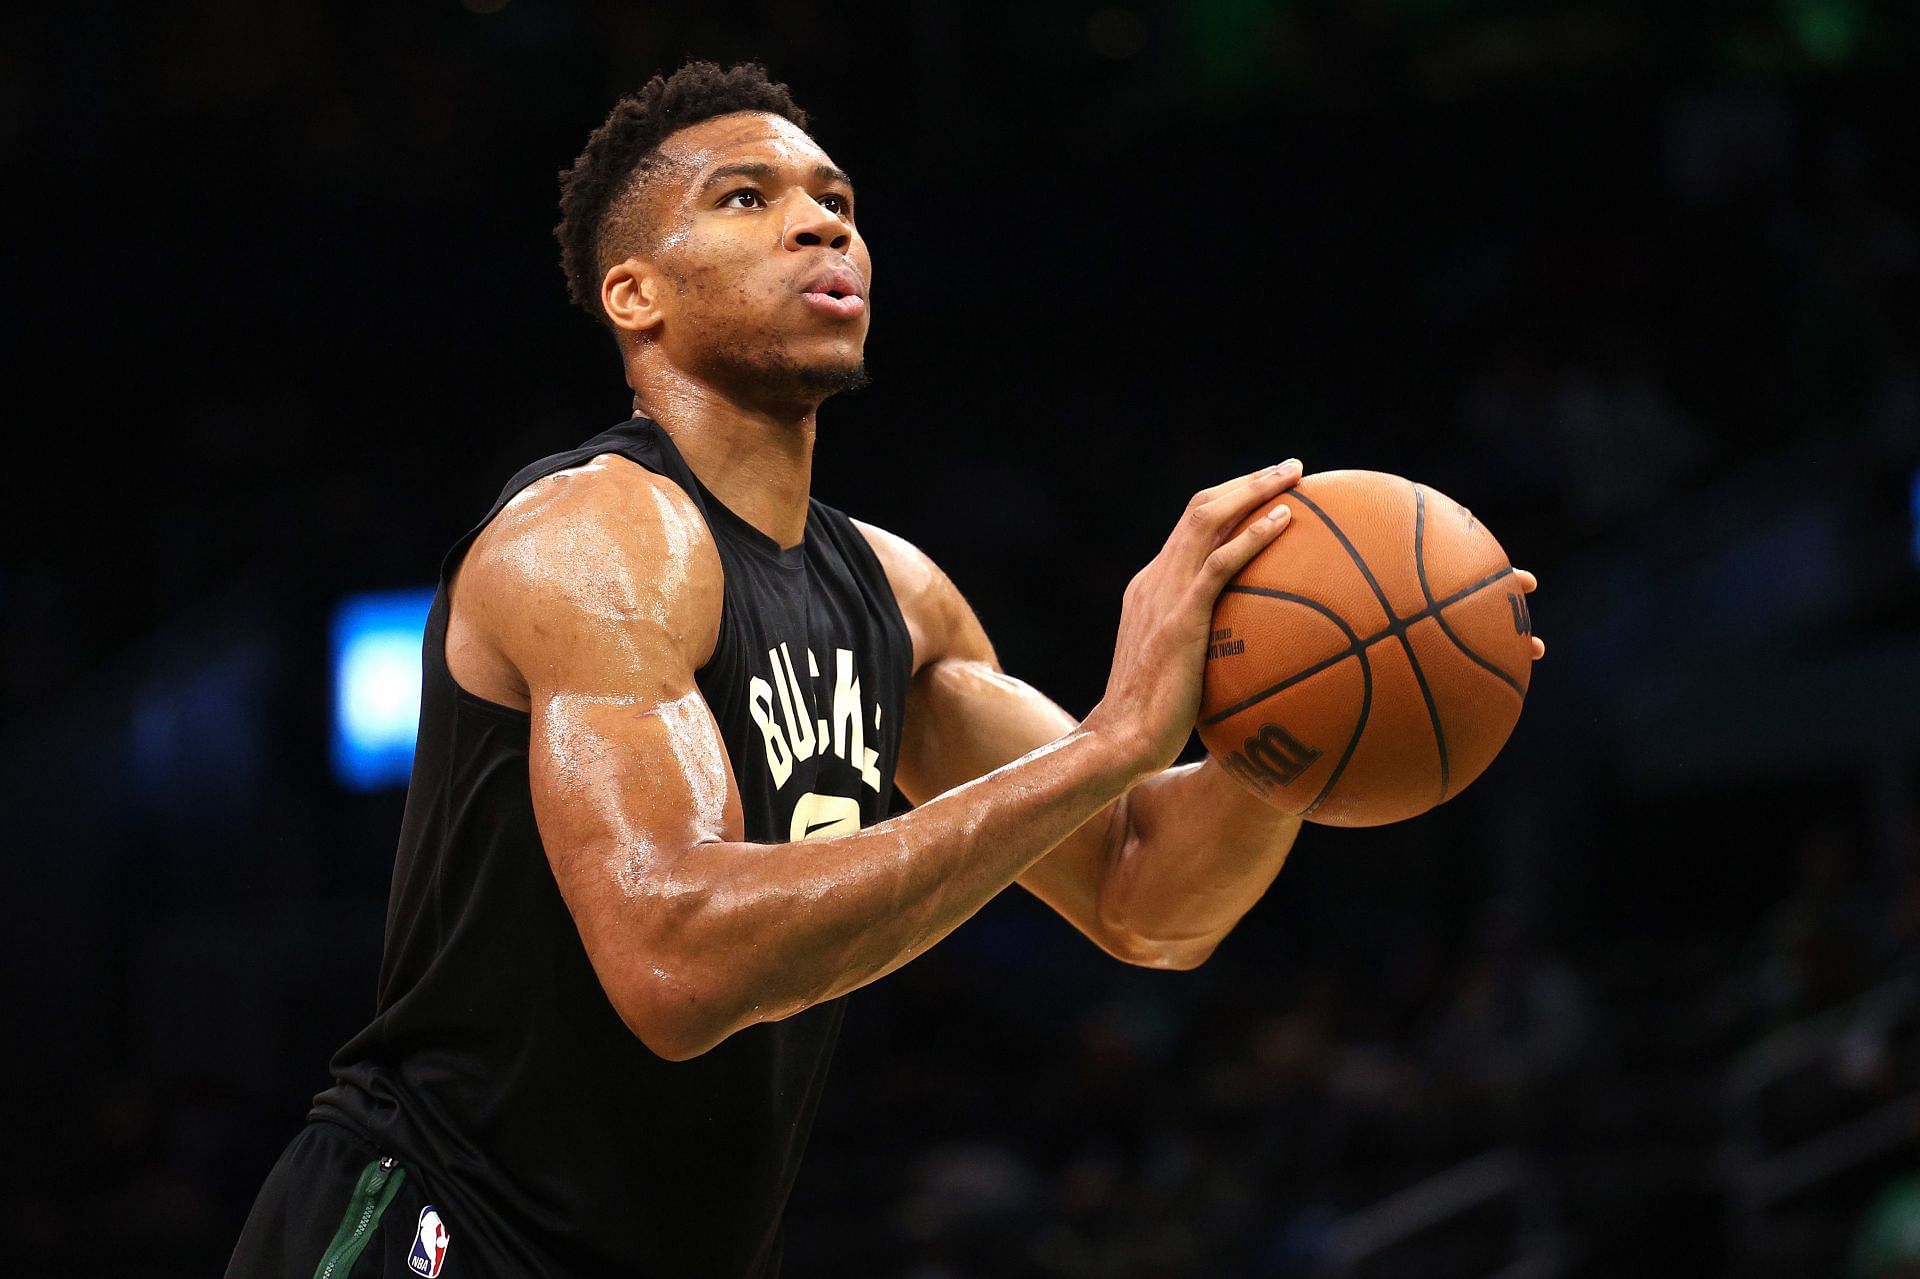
(1208, 523)
(1528, 585)
(1208, 495)
(1231, 556)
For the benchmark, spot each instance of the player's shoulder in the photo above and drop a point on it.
(937, 615)
(608, 536)
(910, 570)
(605, 489)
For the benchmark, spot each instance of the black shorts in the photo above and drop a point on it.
(332, 1198)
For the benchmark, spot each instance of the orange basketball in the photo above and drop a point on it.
(1372, 661)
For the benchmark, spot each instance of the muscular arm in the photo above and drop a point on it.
(600, 591)
(1159, 876)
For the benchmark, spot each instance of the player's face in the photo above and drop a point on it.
(768, 275)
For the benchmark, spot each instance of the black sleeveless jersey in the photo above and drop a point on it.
(556, 1142)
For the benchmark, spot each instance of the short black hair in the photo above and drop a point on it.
(594, 193)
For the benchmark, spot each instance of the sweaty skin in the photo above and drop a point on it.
(1161, 876)
(592, 599)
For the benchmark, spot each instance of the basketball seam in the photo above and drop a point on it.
(1393, 620)
(1356, 646)
(1433, 714)
(1353, 552)
(1353, 743)
(1420, 566)
(1354, 649)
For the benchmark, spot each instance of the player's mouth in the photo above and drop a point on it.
(836, 292)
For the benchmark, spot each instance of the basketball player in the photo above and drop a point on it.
(666, 699)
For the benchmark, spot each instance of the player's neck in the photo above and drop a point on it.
(757, 460)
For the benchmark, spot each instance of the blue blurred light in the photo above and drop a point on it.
(1913, 501)
(376, 686)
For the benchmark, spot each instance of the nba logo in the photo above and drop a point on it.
(429, 1245)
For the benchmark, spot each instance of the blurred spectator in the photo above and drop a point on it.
(1518, 1018)
(965, 1210)
(1813, 949)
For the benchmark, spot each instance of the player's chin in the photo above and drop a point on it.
(835, 365)
(832, 376)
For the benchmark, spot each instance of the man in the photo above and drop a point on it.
(666, 699)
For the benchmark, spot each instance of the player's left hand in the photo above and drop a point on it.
(1528, 585)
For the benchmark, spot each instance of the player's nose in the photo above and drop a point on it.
(809, 225)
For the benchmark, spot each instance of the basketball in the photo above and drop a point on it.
(1372, 661)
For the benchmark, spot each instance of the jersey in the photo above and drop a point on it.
(557, 1143)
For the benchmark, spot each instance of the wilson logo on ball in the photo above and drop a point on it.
(1271, 757)
(1522, 619)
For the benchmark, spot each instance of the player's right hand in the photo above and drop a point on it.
(1153, 691)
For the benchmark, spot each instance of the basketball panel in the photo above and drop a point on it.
(1395, 770)
(1477, 708)
(1285, 748)
(1258, 641)
(1456, 549)
(1308, 560)
(1376, 512)
(1492, 627)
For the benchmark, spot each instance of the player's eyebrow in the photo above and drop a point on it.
(832, 173)
(762, 172)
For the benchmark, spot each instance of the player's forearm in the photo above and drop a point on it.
(761, 932)
(1194, 854)
(1187, 853)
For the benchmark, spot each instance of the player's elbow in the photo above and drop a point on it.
(1168, 956)
(1147, 943)
(677, 1014)
(1181, 957)
(679, 1034)
(679, 1046)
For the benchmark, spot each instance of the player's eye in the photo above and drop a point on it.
(744, 198)
(835, 203)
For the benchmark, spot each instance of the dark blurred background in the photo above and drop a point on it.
(1635, 280)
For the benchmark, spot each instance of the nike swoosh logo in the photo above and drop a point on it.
(814, 826)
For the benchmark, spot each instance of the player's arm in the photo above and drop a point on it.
(1156, 878)
(1160, 876)
(601, 590)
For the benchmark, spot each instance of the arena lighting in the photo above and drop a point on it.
(376, 686)
(1828, 31)
(1913, 504)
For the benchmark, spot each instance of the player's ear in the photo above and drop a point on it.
(632, 294)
